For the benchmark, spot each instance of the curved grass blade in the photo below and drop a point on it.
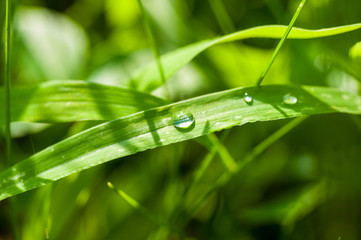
(148, 77)
(154, 128)
(66, 101)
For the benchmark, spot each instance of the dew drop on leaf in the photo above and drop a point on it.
(248, 98)
(289, 99)
(183, 121)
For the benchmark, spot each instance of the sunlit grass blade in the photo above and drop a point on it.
(66, 101)
(148, 77)
(154, 128)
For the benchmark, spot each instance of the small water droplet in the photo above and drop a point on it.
(289, 99)
(183, 121)
(247, 98)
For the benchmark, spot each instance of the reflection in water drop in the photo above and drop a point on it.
(183, 121)
(289, 99)
(248, 98)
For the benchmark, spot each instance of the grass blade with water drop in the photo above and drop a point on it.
(154, 128)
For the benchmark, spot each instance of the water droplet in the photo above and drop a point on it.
(183, 121)
(247, 98)
(289, 99)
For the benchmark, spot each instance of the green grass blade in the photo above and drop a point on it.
(214, 149)
(7, 115)
(281, 42)
(153, 43)
(148, 77)
(136, 205)
(225, 177)
(66, 101)
(223, 18)
(291, 207)
(271, 139)
(357, 121)
(226, 157)
(154, 128)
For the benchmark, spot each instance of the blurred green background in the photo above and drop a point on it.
(307, 185)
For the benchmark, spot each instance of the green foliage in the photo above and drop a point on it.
(275, 165)
(149, 79)
(154, 128)
(67, 101)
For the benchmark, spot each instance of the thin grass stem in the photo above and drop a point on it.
(206, 162)
(281, 42)
(7, 125)
(357, 121)
(226, 157)
(137, 206)
(270, 140)
(222, 16)
(227, 26)
(154, 46)
(224, 178)
(7, 122)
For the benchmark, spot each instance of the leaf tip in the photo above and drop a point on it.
(110, 185)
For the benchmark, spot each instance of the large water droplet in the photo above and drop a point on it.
(289, 99)
(247, 98)
(183, 121)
